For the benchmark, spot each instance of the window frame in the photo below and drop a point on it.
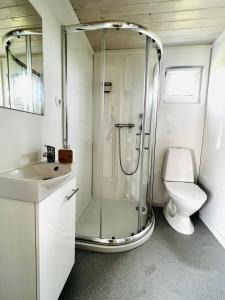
(185, 99)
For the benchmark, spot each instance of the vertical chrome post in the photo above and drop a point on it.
(102, 126)
(29, 73)
(64, 88)
(153, 130)
(142, 146)
(8, 75)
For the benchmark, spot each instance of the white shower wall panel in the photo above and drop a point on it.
(125, 70)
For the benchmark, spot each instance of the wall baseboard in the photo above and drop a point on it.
(212, 228)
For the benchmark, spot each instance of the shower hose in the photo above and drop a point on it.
(120, 158)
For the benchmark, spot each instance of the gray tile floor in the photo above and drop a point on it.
(169, 266)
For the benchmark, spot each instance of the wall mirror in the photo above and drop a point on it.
(21, 58)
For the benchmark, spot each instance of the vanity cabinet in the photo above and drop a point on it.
(37, 245)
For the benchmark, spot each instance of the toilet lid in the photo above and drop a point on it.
(187, 192)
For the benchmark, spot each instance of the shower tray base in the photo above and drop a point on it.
(119, 226)
(116, 245)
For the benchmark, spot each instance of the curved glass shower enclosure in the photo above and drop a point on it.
(118, 216)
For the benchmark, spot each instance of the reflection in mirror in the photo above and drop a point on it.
(21, 66)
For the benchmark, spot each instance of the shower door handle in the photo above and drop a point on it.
(147, 145)
(138, 141)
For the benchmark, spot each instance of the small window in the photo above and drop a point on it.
(183, 84)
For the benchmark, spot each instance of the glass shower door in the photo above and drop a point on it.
(147, 137)
(123, 115)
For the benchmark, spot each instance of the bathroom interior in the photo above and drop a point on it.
(112, 182)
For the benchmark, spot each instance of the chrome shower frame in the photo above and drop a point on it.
(98, 243)
(16, 33)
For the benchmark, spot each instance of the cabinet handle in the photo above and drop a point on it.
(72, 194)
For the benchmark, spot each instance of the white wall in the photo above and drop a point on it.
(20, 138)
(51, 129)
(80, 83)
(23, 134)
(180, 125)
(213, 155)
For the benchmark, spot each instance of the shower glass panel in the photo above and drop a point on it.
(118, 116)
(121, 132)
(148, 131)
(85, 141)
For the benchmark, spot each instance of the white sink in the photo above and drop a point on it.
(34, 182)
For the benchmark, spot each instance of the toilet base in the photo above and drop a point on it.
(180, 223)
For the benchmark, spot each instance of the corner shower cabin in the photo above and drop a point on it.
(117, 215)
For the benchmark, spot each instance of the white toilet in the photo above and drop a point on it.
(185, 196)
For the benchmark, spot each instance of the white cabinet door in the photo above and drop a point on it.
(55, 241)
(17, 250)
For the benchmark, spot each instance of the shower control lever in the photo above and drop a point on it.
(126, 125)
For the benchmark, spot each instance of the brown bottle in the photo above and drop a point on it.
(65, 156)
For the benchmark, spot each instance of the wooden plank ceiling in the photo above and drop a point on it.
(18, 14)
(176, 22)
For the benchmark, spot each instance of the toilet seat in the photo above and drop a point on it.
(186, 193)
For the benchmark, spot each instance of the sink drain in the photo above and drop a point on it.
(46, 178)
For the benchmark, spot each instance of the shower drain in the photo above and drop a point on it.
(142, 209)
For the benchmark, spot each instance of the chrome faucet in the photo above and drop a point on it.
(50, 154)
